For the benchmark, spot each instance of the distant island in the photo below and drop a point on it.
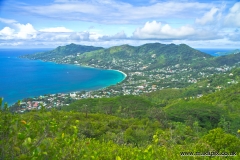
(236, 51)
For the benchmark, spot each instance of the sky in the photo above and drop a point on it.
(106, 23)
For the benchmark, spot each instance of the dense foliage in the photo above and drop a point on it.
(164, 55)
(122, 106)
(62, 51)
(72, 135)
(127, 127)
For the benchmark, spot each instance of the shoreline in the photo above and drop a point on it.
(85, 66)
(125, 75)
(76, 91)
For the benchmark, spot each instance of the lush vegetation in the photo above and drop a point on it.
(62, 51)
(127, 127)
(154, 55)
(122, 106)
(73, 135)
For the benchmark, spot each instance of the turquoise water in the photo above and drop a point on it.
(22, 78)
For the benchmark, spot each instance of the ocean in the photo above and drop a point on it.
(23, 78)
(213, 51)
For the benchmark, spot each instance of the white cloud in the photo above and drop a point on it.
(6, 31)
(26, 31)
(56, 29)
(233, 17)
(208, 17)
(21, 31)
(156, 30)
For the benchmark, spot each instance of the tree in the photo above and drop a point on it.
(207, 115)
(220, 141)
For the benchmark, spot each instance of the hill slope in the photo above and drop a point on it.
(61, 52)
(141, 58)
(145, 57)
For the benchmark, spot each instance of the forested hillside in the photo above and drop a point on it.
(75, 135)
(151, 55)
(61, 52)
(128, 127)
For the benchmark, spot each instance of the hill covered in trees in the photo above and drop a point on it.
(129, 127)
(125, 57)
(61, 52)
(151, 55)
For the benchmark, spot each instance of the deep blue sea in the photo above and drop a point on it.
(22, 78)
(213, 51)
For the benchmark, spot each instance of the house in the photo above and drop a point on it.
(154, 86)
(140, 87)
(35, 104)
(73, 95)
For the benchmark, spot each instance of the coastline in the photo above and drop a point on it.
(123, 77)
(85, 66)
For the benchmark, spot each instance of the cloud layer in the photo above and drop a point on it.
(115, 12)
(164, 21)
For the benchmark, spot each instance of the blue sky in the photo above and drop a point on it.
(50, 23)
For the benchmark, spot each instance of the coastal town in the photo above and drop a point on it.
(138, 80)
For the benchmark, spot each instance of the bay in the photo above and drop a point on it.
(22, 78)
